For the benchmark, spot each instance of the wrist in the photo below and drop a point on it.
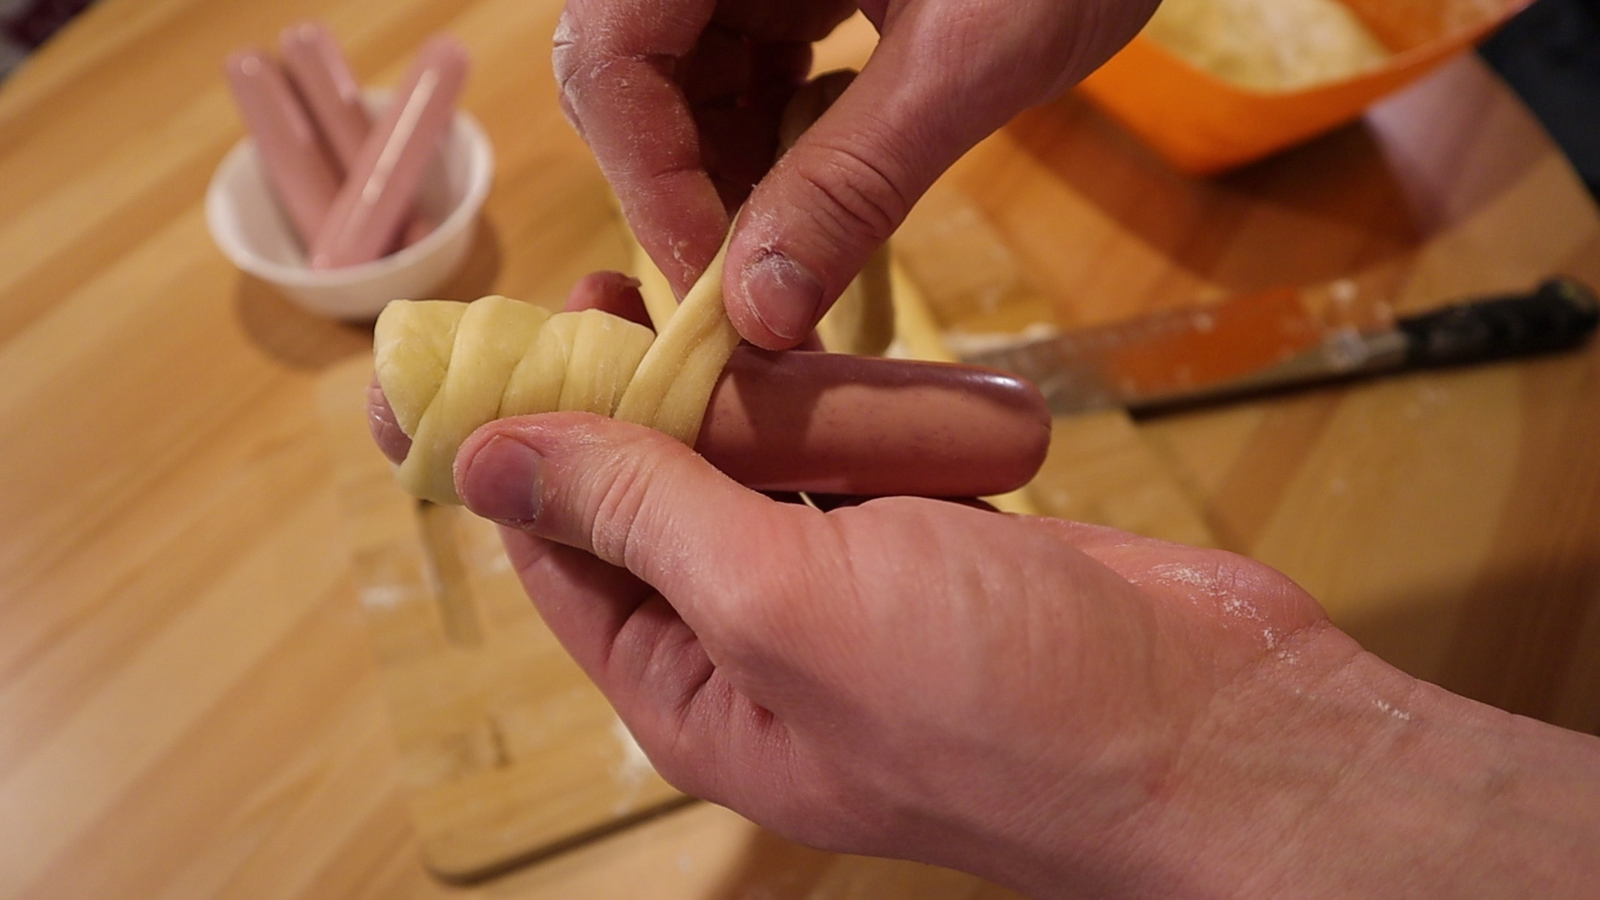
(1325, 772)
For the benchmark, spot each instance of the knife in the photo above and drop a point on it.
(1270, 341)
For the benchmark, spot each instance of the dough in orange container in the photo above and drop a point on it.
(1203, 124)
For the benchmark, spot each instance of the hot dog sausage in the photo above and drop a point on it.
(378, 194)
(287, 144)
(837, 424)
(315, 63)
(317, 66)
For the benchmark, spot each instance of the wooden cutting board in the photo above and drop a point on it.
(1100, 468)
(507, 751)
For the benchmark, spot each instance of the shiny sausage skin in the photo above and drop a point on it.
(287, 144)
(381, 188)
(836, 424)
(316, 64)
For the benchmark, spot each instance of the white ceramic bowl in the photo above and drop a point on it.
(250, 228)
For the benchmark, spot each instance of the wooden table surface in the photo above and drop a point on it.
(188, 702)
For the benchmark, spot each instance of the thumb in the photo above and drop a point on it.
(631, 496)
(850, 180)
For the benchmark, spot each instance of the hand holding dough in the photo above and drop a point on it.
(448, 368)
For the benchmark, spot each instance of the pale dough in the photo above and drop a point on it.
(1268, 45)
(447, 368)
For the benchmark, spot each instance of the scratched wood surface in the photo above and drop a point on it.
(191, 704)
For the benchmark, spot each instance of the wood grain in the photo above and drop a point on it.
(191, 705)
(1443, 517)
(961, 276)
(507, 751)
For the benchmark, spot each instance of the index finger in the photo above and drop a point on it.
(614, 63)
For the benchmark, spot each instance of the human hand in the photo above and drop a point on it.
(826, 674)
(1064, 709)
(907, 677)
(680, 102)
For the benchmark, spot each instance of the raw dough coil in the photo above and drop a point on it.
(447, 368)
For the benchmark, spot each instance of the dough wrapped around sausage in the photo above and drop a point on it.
(448, 367)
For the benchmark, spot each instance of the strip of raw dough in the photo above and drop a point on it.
(447, 368)
(861, 321)
(674, 381)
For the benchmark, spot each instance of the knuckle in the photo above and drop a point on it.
(678, 761)
(1259, 593)
(568, 48)
(861, 198)
(584, 68)
(600, 84)
(568, 59)
(753, 628)
(619, 519)
(832, 810)
(1242, 575)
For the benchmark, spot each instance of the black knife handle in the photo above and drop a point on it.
(1559, 315)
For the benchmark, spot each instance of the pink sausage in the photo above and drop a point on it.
(319, 70)
(831, 423)
(317, 65)
(374, 203)
(296, 164)
(836, 424)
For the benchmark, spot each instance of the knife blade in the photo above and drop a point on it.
(1273, 340)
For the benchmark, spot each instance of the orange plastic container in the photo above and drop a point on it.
(1203, 124)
